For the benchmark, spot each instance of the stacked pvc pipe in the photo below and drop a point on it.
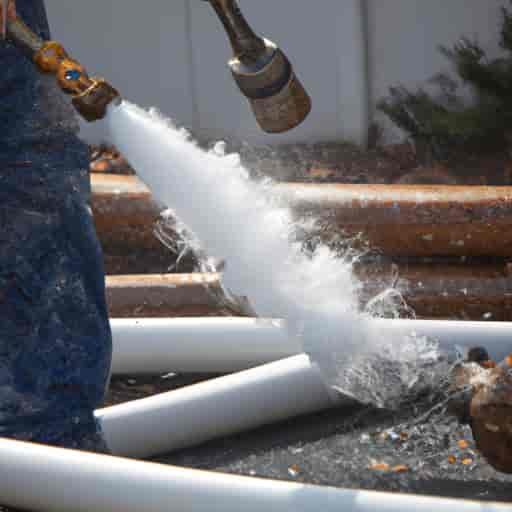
(36, 477)
(496, 337)
(223, 345)
(198, 345)
(63, 480)
(216, 408)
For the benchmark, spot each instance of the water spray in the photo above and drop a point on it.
(90, 96)
(263, 73)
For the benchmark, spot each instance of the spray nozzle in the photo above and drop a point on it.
(92, 104)
(263, 73)
(90, 96)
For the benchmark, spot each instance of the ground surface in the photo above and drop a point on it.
(359, 448)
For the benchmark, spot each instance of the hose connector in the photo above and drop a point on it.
(90, 96)
(263, 73)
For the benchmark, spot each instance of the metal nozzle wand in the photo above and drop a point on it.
(263, 73)
(90, 96)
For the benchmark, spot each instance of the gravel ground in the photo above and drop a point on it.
(358, 447)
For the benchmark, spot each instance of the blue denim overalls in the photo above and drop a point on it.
(55, 340)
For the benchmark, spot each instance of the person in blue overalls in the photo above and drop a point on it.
(55, 339)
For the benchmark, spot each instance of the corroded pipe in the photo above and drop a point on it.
(90, 96)
(170, 295)
(440, 291)
(409, 220)
(443, 290)
(124, 213)
(394, 220)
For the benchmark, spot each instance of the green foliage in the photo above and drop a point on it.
(446, 123)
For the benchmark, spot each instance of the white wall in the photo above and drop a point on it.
(172, 54)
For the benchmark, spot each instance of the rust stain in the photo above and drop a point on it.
(433, 220)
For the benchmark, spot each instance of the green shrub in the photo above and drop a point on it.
(446, 123)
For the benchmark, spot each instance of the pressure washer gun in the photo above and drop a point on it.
(90, 96)
(263, 73)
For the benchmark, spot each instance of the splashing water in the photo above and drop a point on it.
(247, 224)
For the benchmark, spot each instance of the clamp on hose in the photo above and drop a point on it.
(90, 96)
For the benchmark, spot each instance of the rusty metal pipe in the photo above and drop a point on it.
(394, 220)
(409, 220)
(124, 213)
(170, 295)
(441, 291)
(90, 96)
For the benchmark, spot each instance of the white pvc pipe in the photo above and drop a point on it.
(39, 478)
(198, 345)
(216, 408)
(496, 337)
(223, 345)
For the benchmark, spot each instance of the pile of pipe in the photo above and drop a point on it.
(277, 381)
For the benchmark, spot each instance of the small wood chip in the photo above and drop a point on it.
(467, 462)
(380, 467)
(404, 436)
(400, 469)
(322, 173)
(452, 459)
(294, 470)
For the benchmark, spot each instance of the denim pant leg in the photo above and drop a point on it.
(55, 340)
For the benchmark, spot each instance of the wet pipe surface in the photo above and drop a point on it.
(432, 220)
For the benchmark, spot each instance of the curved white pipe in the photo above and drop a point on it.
(216, 408)
(198, 345)
(224, 345)
(36, 477)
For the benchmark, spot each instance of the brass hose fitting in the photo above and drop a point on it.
(90, 96)
(263, 73)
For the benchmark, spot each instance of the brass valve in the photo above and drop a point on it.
(90, 96)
